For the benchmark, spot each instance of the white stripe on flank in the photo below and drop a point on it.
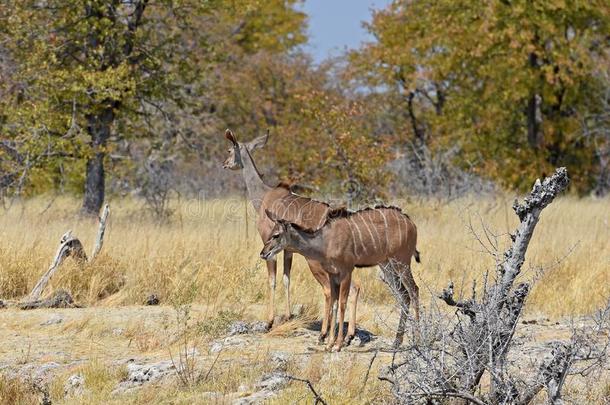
(370, 233)
(405, 219)
(387, 241)
(399, 230)
(359, 235)
(349, 225)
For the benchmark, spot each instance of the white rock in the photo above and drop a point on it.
(256, 398)
(280, 360)
(273, 382)
(118, 331)
(75, 385)
(53, 320)
(238, 328)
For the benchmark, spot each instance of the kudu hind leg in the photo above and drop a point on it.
(271, 272)
(286, 279)
(354, 294)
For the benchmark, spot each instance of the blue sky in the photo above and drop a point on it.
(337, 24)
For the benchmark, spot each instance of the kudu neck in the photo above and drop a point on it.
(311, 245)
(254, 180)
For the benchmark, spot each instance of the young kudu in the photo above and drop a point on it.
(291, 207)
(381, 236)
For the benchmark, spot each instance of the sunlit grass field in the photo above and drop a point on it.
(209, 249)
(207, 255)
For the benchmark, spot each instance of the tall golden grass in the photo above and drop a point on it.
(209, 249)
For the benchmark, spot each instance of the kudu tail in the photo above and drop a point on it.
(417, 258)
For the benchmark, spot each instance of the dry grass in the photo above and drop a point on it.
(211, 252)
(15, 391)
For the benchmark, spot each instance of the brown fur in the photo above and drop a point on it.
(303, 211)
(381, 236)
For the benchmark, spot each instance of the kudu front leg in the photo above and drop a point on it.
(344, 288)
(286, 279)
(328, 313)
(323, 278)
(271, 272)
(332, 316)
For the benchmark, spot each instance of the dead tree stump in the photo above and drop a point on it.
(69, 245)
(449, 356)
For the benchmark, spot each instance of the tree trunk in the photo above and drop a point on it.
(99, 130)
(534, 135)
(532, 111)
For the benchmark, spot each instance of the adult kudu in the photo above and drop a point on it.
(300, 210)
(381, 236)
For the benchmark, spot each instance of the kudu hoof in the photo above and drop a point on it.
(321, 339)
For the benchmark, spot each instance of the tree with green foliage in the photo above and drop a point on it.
(84, 65)
(509, 81)
(89, 74)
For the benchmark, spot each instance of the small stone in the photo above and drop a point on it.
(152, 300)
(75, 385)
(141, 373)
(258, 327)
(280, 360)
(235, 342)
(273, 382)
(53, 320)
(238, 328)
(118, 331)
(44, 371)
(255, 398)
(215, 347)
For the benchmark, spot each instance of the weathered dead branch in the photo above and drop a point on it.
(69, 245)
(450, 356)
(60, 299)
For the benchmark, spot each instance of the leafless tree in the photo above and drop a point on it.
(467, 357)
(156, 184)
(423, 172)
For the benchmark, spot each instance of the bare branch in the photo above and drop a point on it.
(317, 397)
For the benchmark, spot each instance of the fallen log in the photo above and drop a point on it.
(60, 299)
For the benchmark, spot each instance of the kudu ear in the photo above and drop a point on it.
(229, 135)
(258, 142)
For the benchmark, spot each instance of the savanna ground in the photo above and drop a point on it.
(205, 260)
